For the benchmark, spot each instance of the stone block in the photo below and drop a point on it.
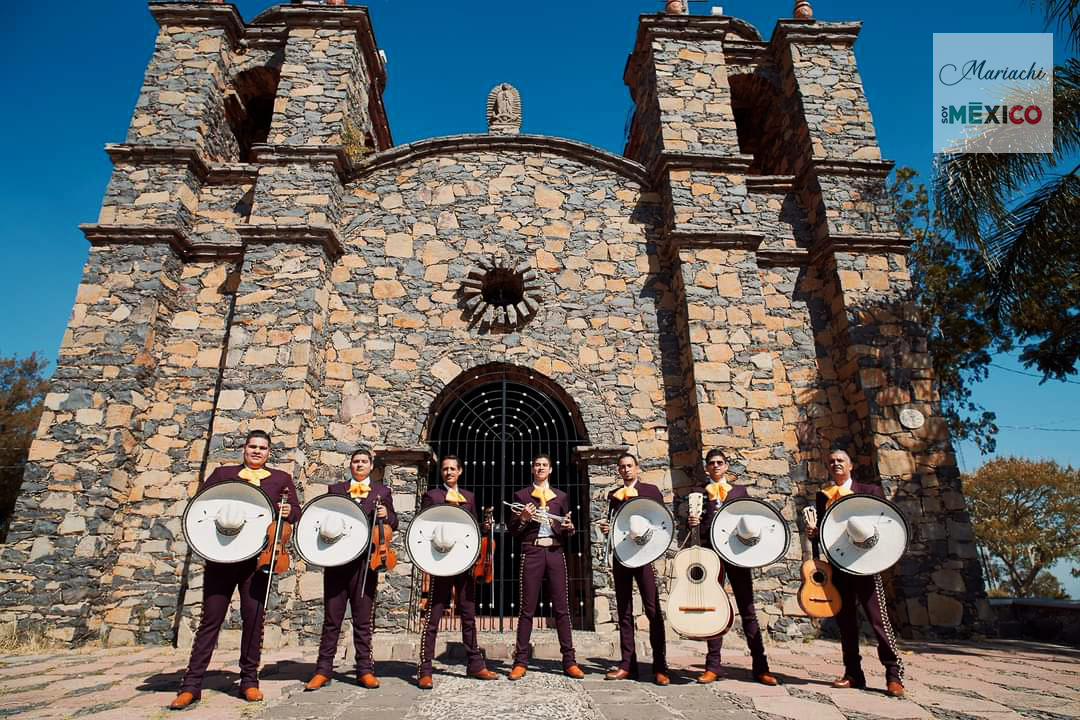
(944, 611)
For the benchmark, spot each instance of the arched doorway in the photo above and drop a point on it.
(496, 418)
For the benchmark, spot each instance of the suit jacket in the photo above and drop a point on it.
(378, 490)
(437, 496)
(821, 500)
(527, 532)
(273, 485)
(708, 511)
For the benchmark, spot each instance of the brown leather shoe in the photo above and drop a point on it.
(662, 679)
(707, 677)
(484, 674)
(894, 689)
(617, 674)
(766, 679)
(253, 694)
(182, 700)
(424, 682)
(369, 681)
(574, 671)
(517, 672)
(847, 682)
(316, 682)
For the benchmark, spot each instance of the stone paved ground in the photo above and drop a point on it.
(999, 680)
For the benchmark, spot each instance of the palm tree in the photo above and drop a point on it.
(1021, 212)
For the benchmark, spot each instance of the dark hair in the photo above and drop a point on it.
(455, 458)
(542, 455)
(362, 450)
(626, 455)
(713, 453)
(257, 434)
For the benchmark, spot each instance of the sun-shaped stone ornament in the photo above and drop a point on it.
(496, 295)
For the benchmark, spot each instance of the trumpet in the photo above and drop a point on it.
(539, 514)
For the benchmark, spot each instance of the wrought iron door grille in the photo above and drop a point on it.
(495, 422)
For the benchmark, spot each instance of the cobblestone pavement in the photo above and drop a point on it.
(1000, 680)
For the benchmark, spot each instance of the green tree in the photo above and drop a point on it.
(22, 395)
(961, 333)
(1026, 516)
(1021, 212)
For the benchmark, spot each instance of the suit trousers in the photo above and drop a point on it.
(219, 582)
(538, 564)
(341, 588)
(742, 587)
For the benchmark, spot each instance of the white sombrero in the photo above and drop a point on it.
(226, 522)
(750, 533)
(332, 530)
(641, 532)
(863, 534)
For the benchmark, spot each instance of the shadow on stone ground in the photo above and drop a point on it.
(1000, 680)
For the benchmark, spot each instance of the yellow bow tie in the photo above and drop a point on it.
(453, 496)
(542, 494)
(626, 491)
(359, 490)
(718, 490)
(253, 476)
(836, 492)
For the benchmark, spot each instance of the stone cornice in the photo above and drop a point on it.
(812, 32)
(597, 454)
(181, 155)
(185, 155)
(304, 154)
(668, 161)
(322, 235)
(200, 14)
(868, 168)
(723, 239)
(871, 244)
(454, 144)
(788, 257)
(418, 457)
(776, 184)
(171, 235)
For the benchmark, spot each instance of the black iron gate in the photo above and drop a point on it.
(495, 421)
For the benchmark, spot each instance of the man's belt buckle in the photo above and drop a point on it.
(544, 542)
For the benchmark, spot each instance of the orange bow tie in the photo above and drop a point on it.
(359, 490)
(626, 491)
(836, 492)
(543, 494)
(718, 490)
(253, 476)
(453, 496)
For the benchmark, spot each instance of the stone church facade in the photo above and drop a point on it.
(266, 257)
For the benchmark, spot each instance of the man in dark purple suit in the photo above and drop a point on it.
(646, 581)
(463, 584)
(221, 579)
(717, 492)
(345, 585)
(542, 557)
(864, 591)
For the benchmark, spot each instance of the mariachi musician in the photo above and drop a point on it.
(347, 585)
(717, 492)
(463, 584)
(646, 581)
(221, 579)
(858, 590)
(543, 557)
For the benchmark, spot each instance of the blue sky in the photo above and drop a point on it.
(73, 71)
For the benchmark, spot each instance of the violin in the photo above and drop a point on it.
(278, 534)
(484, 570)
(382, 556)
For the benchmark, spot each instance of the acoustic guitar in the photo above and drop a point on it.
(818, 597)
(698, 607)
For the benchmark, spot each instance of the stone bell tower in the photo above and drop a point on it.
(209, 265)
(796, 327)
